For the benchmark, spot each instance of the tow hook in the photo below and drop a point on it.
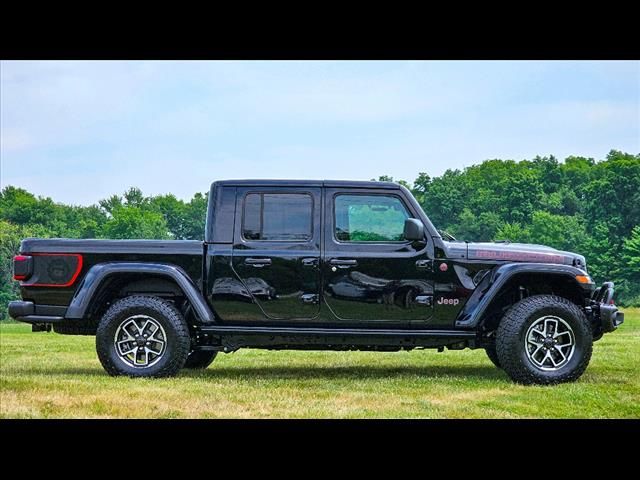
(610, 317)
(40, 327)
(603, 307)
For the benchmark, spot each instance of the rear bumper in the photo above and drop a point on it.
(28, 313)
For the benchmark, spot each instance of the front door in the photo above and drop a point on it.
(276, 252)
(371, 273)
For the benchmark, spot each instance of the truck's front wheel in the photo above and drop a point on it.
(544, 339)
(142, 336)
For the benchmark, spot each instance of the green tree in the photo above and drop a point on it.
(602, 255)
(563, 232)
(444, 198)
(22, 208)
(629, 270)
(195, 215)
(481, 228)
(9, 245)
(513, 232)
(383, 178)
(420, 187)
(136, 223)
(89, 221)
(173, 211)
(134, 198)
(10, 237)
(109, 205)
(613, 193)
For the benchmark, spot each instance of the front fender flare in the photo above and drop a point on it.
(97, 274)
(473, 311)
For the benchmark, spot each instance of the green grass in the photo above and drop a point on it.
(56, 376)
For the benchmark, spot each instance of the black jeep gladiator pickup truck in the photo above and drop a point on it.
(334, 265)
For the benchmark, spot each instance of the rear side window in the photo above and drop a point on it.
(277, 216)
(369, 218)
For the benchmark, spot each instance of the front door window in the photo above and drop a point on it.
(369, 218)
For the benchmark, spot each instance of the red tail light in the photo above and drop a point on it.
(47, 269)
(22, 267)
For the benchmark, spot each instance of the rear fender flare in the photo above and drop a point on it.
(95, 277)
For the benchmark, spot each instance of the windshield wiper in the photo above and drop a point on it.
(447, 236)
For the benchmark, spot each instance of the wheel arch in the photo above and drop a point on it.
(105, 281)
(502, 288)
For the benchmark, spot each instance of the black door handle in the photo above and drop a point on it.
(343, 263)
(424, 264)
(257, 262)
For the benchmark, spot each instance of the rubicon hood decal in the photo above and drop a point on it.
(520, 252)
(516, 256)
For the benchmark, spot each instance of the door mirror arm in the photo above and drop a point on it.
(419, 244)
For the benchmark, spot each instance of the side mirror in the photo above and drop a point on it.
(413, 230)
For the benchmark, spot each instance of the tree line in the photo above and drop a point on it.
(582, 205)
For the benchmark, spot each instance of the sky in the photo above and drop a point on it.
(80, 131)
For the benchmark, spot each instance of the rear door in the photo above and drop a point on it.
(276, 252)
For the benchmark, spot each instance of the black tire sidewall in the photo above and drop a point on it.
(492, 354)
(511, 349)
(174, 342)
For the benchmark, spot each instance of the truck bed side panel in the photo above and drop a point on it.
(183, 253)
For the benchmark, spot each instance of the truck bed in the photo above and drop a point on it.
(187, 254)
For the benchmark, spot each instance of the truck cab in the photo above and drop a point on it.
(319, 253)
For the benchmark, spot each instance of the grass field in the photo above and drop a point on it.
(45, 375)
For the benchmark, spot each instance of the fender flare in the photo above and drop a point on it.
(97, 274)
(490, 286)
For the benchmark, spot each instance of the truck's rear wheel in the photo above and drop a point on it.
(142, 336)
(493, 355)
(200, 359)
(544, 339)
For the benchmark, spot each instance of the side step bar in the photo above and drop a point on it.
(230, 338)
(336, 332)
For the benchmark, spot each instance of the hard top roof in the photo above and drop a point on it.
(308, 183)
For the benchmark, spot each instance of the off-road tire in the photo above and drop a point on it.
(200, 359)
(493, 355)
(177, 342)
(510, 338)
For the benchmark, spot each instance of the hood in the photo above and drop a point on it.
(515, 252)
